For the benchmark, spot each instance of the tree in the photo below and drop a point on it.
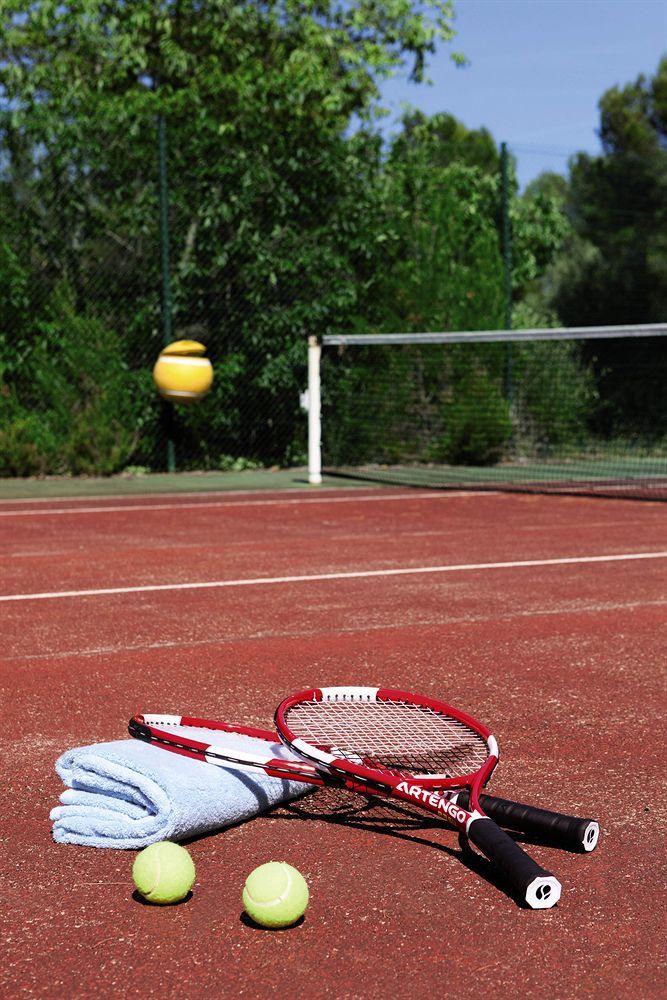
(614, 268)
(447, 404)
(446, 180)
(618, 204)
(447, 275)
(277, 221)
(442, 139)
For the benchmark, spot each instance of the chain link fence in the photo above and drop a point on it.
(113, 243)
(252, 256)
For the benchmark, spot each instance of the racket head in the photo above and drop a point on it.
(386, 734)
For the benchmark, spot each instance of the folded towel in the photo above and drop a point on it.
(128, 794)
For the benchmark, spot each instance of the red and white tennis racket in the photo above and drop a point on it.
(412, 748)
(177, 733)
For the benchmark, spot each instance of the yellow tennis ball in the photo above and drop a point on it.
(275, 894)
(164, 872)
(182, 374)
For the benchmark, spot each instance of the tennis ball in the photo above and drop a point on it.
(181, 373)
(275, 894)
(164, 872)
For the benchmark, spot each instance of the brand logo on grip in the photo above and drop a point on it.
(435, 800)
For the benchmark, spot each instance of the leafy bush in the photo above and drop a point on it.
(442, 403)
(477, 422)
(72, 405)
(27, 444)
(554, 395)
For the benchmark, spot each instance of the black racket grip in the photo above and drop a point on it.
(571, 832)
(534, 885)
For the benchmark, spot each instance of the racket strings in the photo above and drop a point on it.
(399, 737)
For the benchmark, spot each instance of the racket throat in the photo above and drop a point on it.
(435, 801)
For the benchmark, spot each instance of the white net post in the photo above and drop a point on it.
(314, 412)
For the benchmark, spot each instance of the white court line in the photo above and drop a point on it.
(166, 495)
(315, 577)
(434, 495)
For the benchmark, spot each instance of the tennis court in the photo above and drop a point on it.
(544, 616)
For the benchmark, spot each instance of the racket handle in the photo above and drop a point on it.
(535, 886)
(570, 832)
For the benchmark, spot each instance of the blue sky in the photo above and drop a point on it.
(537, 69)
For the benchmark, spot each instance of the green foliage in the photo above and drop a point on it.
(449, 273)
(285, 222)
(77, 409)
(277, 219)
(442, 140)
(618, 203)
(27, 445)
(14, 307)
(391, 405)
(539, 228)
(444, 405)
(554, 395)
(302, 63)
(477, 423)
(613, 268)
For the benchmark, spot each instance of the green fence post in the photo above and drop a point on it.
(167, 336)
(507, 262)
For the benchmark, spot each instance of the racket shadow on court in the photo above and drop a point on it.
(397, 820)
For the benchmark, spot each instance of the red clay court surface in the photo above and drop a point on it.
(544, 617)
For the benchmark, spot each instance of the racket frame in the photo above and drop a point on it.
(569, 832)
(535, 886)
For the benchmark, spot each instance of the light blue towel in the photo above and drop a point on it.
(128, 794)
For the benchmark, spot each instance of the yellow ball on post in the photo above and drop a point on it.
(182, 374)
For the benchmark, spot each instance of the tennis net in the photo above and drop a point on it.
(570, 410)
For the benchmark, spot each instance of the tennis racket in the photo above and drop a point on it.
(413, 749)
(177, 733)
